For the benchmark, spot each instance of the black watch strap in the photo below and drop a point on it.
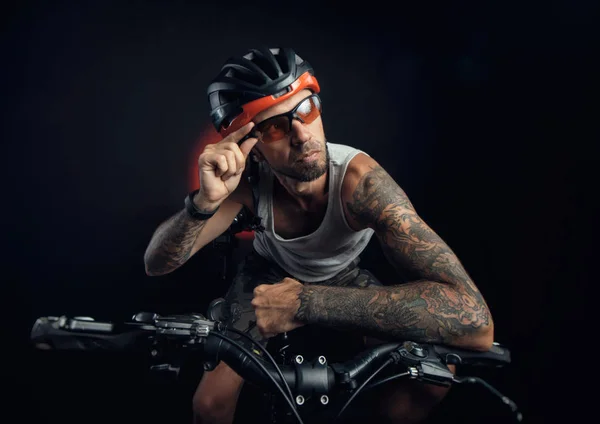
(193, 211)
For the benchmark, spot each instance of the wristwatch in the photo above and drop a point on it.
(193, 210)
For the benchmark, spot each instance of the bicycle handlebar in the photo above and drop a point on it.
(155, 334)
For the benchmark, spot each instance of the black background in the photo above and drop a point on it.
(481, 111)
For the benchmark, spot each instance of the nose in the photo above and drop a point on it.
(299, 132)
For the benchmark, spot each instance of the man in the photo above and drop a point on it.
(320, 204)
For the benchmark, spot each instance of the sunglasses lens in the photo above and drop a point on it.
(273, 129)
(309, 109)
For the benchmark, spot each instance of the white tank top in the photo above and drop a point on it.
(331, 247)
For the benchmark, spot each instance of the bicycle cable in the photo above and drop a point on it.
(505, 399)
(385, 364)
(262, 367)
(385, 380)
(263, 349)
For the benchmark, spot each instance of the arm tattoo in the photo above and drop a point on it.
(421, 311)
(443, 304)
(172, 244)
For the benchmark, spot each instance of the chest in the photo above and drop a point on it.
(291, 221)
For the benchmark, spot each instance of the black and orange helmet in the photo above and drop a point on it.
(259, 79)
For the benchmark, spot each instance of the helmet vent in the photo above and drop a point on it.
(252, 78)
(267, 67)
(282, 92)
(285, 67)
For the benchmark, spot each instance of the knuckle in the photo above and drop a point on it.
(262, 327)
(232, 146)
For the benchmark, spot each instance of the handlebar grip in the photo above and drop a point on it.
(67, 334)
(497, 356)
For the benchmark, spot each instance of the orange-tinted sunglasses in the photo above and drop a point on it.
(277, 127)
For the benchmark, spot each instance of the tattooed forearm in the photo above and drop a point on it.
(420, 311)
(451, 303)
(172, 244)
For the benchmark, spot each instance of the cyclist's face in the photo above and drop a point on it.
(287, 155)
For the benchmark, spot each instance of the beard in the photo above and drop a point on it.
(306, 171)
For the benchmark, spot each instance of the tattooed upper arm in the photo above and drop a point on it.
(373, 199)
(440, 295)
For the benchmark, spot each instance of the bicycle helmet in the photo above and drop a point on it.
(259, 79)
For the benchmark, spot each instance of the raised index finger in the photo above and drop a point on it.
(246, 144)
(243, 138)
(239, 134)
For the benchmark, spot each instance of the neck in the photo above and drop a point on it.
(308, 195)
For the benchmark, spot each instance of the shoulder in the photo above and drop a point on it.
(342, 153)
(359, 169)
(367, 189)
(357, 173)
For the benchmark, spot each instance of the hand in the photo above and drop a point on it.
(220, 167)
(276, 305)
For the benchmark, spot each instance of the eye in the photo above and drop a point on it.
(271, 127)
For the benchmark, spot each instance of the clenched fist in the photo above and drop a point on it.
(276, 305)
(220, 167)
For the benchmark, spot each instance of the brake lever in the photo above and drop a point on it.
(423, 363)
(194, 326)
(165, 368)
(433, 373)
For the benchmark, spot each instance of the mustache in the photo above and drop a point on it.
(307, 147)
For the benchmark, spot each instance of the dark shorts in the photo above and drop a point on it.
(255, 270)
